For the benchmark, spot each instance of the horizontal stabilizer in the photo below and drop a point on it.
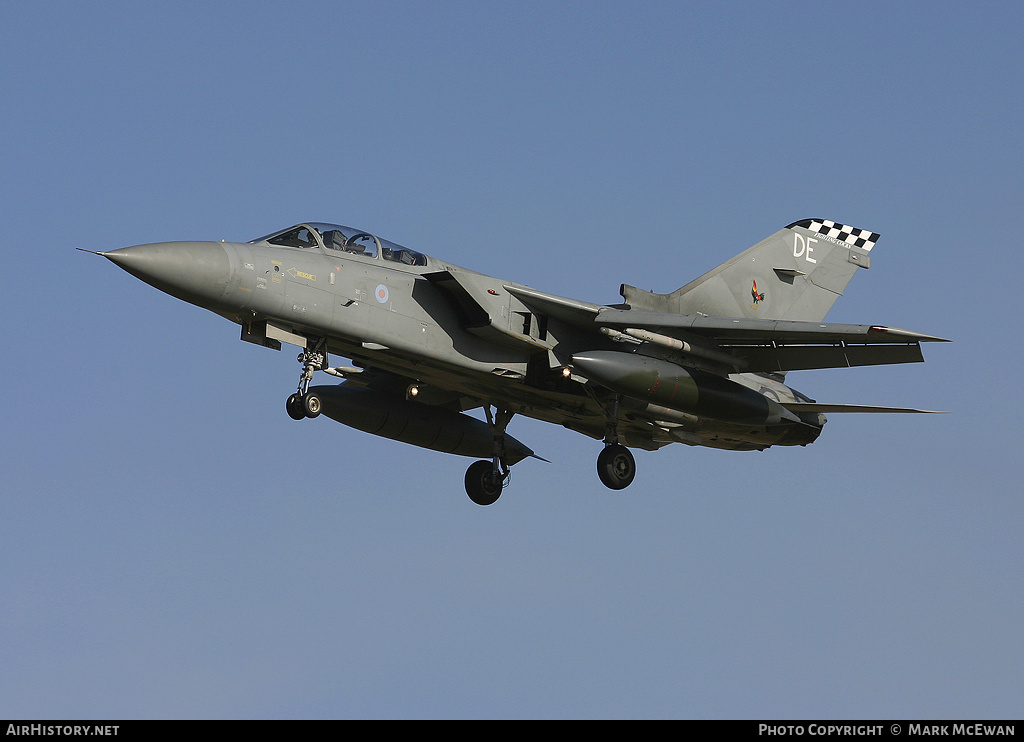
(815, 407)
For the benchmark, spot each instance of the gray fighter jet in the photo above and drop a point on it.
(704, 365)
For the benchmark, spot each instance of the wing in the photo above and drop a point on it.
(778, 345)
(799, 407)
(747, 344)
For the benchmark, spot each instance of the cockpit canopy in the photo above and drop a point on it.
(343, 239)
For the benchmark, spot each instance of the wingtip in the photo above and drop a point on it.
(909, 334)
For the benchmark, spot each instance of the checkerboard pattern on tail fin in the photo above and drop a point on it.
(861, 238)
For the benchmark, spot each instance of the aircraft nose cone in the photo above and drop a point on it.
(197, 272)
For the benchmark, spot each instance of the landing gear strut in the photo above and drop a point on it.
(616, 466)
(302, 404)
(485, 479)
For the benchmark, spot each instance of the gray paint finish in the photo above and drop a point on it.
(428, 340)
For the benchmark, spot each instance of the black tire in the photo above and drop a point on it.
(311, 404)
(482, 485)
(616, 467)
(294, 407)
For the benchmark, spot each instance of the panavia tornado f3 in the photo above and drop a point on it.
(427, 340)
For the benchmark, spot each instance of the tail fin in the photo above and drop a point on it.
(796, 274)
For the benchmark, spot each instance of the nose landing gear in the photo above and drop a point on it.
(302, 404)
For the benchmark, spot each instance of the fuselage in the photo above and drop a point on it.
(467, 335)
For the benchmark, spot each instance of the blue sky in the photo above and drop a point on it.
(176, 547)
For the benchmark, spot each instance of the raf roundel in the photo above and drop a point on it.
(381, 292)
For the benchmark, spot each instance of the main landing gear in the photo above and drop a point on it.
(302, 404)
(616, 466)
(485, 479)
